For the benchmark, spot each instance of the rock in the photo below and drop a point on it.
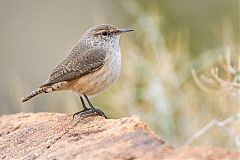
(59, 136)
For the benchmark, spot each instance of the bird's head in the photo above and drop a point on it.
(104, 35)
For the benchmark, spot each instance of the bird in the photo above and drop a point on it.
(91, 66)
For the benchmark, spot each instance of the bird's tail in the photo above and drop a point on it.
(35, 93)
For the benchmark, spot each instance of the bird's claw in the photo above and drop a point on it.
(90, 111)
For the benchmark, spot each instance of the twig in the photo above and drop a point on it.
(222, 124)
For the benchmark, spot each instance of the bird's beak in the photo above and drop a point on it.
(120, 31)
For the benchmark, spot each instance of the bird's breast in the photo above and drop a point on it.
(113, 64)
(101, 79)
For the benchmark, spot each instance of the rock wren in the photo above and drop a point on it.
(91, 66)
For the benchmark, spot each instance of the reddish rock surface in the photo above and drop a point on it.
(59, 136)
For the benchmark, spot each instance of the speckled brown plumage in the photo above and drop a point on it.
(72, 68)
(91, 66)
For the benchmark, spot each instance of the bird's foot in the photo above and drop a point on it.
(89, 111)
(81, 112)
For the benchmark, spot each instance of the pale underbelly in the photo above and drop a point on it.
(96, 82)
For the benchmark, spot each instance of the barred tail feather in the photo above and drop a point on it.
(46, 89)
(35, 93)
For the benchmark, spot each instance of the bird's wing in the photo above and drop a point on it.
(77, 66)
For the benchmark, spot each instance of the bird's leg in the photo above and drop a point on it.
(88, 110)
(101, 113)
(84, 108)
(83, 104)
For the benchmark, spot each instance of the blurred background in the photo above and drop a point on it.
(180, 68)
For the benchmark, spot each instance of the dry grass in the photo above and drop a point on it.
(156, 81)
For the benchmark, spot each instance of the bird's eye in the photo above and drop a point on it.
(104, 33)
